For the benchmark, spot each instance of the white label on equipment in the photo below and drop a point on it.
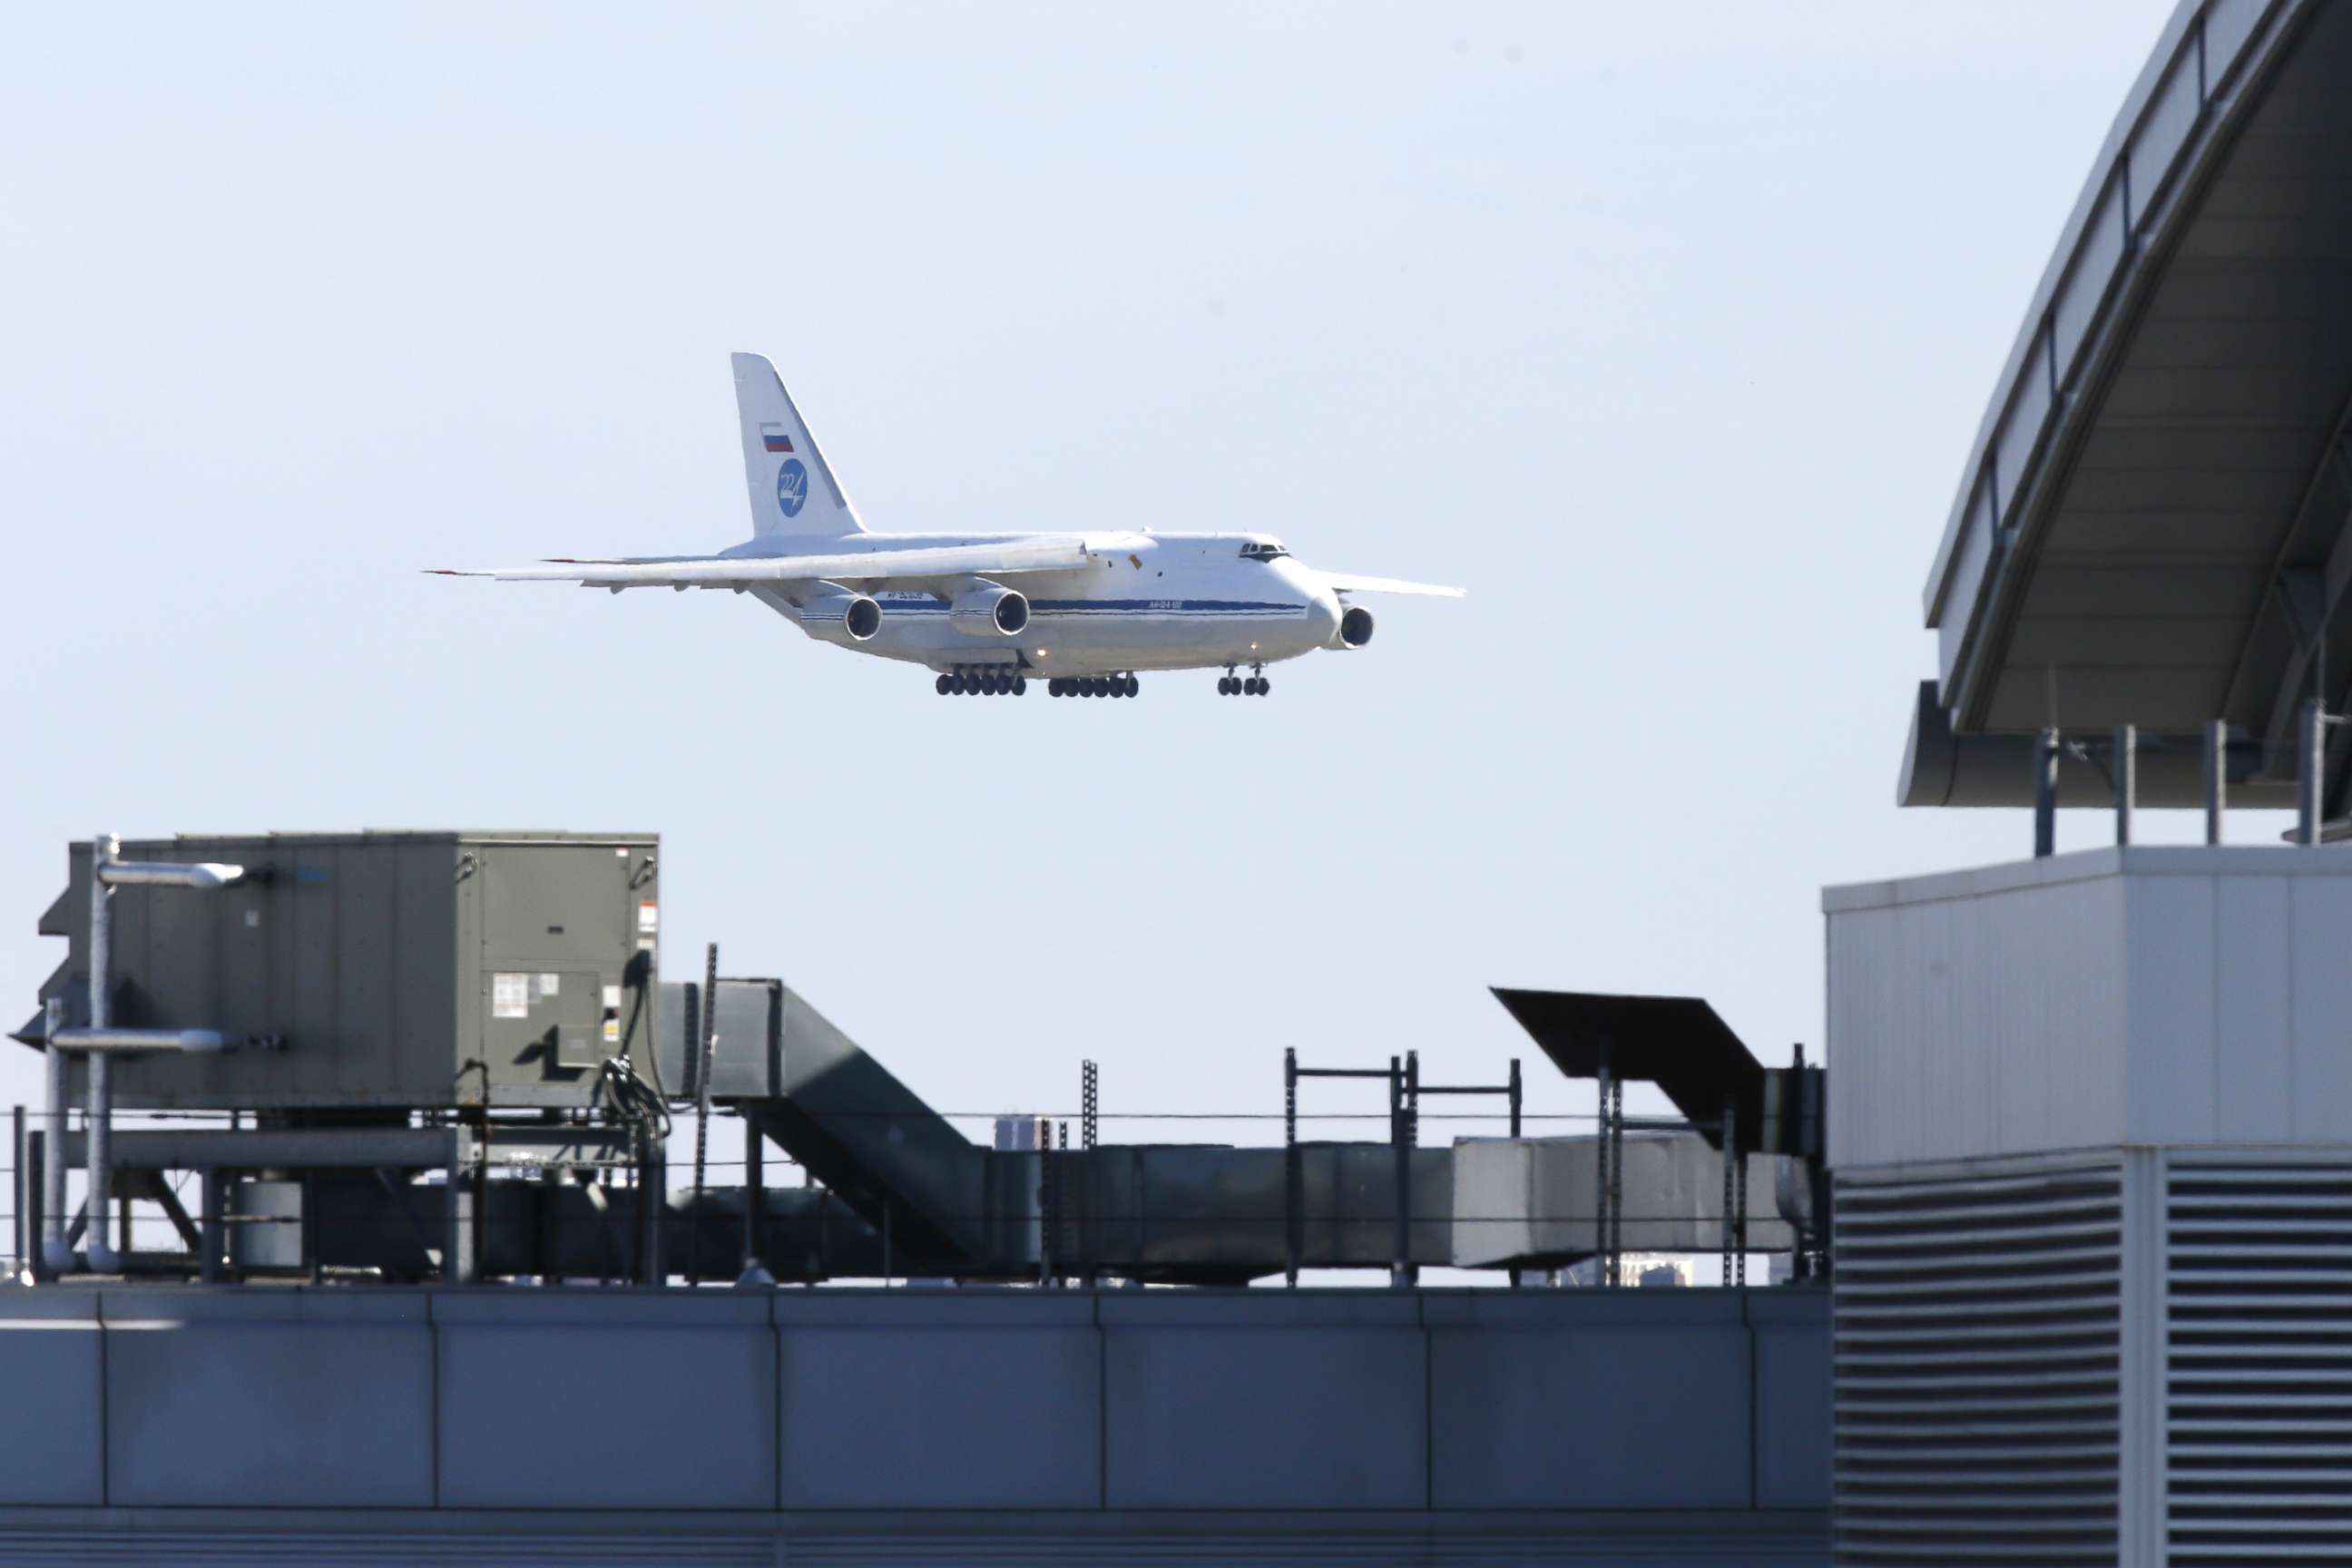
(544, 986)
(648, 917)
(612, 1031)
(612, 997)
(510, 996)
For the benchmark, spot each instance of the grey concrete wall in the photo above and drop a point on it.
(1707, 1408)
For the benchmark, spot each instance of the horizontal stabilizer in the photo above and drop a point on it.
(1044, 552)
(1339, 583)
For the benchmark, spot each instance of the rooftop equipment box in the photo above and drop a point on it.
(379, 970)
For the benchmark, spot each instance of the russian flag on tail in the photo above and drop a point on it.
(775, 439)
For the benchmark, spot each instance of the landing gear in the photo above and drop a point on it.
(1253, 685)
(1093, 686)
(982, 683)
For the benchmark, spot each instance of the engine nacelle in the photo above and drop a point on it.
(842, 614)
(990, 610)
(1355, 628)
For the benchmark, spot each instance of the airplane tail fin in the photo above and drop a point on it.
(793, 487)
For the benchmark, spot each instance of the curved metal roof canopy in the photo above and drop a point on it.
(2151, 528)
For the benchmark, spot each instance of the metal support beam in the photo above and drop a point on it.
(1616, 1181)
(19, 1240)
(211, 1245)
(1089, 1103)
(2217, 777)
(57, 1255)
(36, 1185)
(1401, 1241)
(103, 851)
(2127, 772)
(2045, 794)
(1292, 1240)
(169, 1202)
(705, 1053)
(2311, 768)
(1730, 1183)
(1739, 1221)
(1605, 1186)
(653, 1201)
(755, 1198)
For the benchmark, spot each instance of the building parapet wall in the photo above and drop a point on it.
(1705, 1405)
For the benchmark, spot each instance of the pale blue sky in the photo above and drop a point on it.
(1661, 329)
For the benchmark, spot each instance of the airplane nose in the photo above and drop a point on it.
(1322, 616)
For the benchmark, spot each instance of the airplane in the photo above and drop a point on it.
(989, 613)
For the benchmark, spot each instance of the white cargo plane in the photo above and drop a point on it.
(990, 612)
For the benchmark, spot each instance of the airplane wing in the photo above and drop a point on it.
(1044, 552)
(1342, 583)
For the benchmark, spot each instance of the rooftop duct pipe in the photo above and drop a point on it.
(101, 1042)
(56, 1251)
(115, 1041)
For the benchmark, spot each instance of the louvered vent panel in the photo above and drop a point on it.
(2258, 1365)
(1977, 1367)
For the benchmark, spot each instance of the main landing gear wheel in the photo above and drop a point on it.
(1094, 686)
(982, 683)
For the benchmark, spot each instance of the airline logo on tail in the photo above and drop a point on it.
(792, 486)
(775, 437)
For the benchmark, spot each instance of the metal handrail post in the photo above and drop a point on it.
(2045, 794)
(2217, 777)
(2311, 769)
(1401, 1241)
(1291, 1238)
(2126, 769)
(1606, 1272)
(98, 1153)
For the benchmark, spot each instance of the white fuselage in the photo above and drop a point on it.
(1168, 601)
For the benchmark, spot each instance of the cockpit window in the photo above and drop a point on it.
(1257, 551)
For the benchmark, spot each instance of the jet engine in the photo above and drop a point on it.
(990, 610)
(1355, 628)
(838, 612)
